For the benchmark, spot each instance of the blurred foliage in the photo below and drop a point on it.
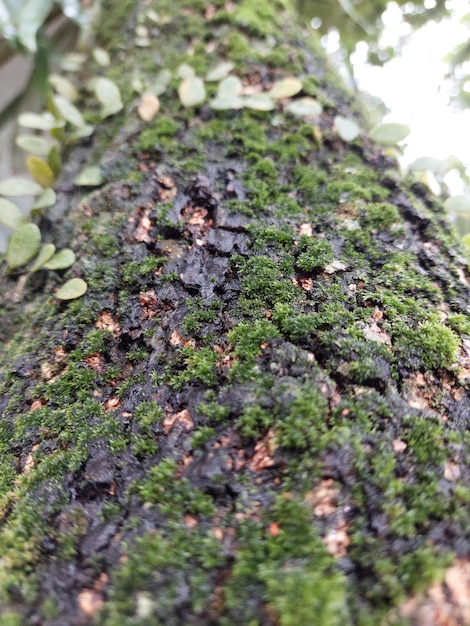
(21, 20)
(361, 20)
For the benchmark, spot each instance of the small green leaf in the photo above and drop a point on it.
(458, 204)
(45, 253)
(108, 95)
(259, 102)
(34, 144)
(39, 121)
(431, 164)
(89, 177)
(466, 240)
(30, 18)
(45, 200)
(347, 129)
(304, 107)
(53, 160)
(230, 86)
(101, 56)
(73, 288)
(10, 214)
(161, 83)
(23, 245)
(389, 134)
(285, 88)
(19, 187)
(68, 111)
(220, 71)
(185, 72)
(73, 61)
(223, 103)
(40, 171)
(192, 92)
(64, 87)
(60, 261)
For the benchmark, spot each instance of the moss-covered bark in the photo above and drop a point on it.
(258, 412)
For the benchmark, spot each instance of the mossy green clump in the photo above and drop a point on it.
(381, 215)
(197, 364)
(284, 569)
(263, 284)
(173, 494)
(246, 340)
(432, 345)
(314, 253)
(168, 560)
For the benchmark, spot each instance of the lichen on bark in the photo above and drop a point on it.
(258, 412)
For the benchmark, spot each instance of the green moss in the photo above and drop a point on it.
(200, 315)
(133, 270)
(264, 235)
(301, 428)
(164, 560)
(213, 411)
(313, 253)
(259, 20)
(291, 570)
(459, 323)
(263, 284)
(246, 339)
(173, 497)
(95, 340)
(431, 345)
(382, 215)
(197, 365)
(202, 436)
(107, 244)
(162, 127)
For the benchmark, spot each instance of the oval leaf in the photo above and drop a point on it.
(108, 95)
(45, 200)
(68, 111)
(347, 129)
(73, 288)
(101, 56)
(161, 83)
(224, 103)
(64, 87)
(459, 204)
(89, 177)
(19, 187)
(260, 102)
(43, 121)
(10, 214)
(53, 160)
(389, 134)
(24, 245)
(230, 86)
(45, 253)
(40, 171)
(185, 71)
(34, 144)
(285, 88)
(428, 163)
(220, 71)
(304, 107)
(148, 107)
(191, 92)
(60, 261)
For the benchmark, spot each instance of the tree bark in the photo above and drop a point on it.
(258, 412)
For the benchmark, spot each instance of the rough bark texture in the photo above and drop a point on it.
(258, 412)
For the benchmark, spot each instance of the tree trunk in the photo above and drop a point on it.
(257, 414)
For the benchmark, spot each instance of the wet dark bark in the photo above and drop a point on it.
(258, 412)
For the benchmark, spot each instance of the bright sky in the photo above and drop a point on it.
(412, 87)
